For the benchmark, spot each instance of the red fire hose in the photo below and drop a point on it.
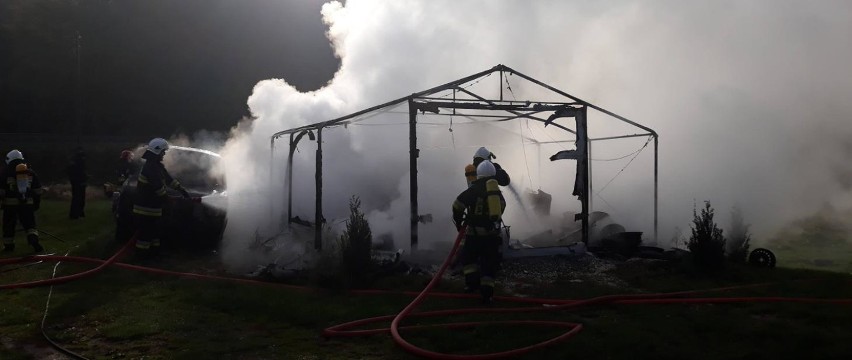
(573, 328)
(342, 330)
(67, 278)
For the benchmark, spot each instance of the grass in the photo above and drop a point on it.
(125, 314)
(832, 258)
(821, 241)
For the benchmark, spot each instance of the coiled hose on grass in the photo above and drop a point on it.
(346, 329)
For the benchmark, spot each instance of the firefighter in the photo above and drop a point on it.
(20, 196)
(482, 154)
(77, 177)
(479, 209)
(126, 167)
(151, 194)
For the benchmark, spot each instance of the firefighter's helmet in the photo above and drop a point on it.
(485, 169)
(484, 154)
(158, 146)
(14, 155)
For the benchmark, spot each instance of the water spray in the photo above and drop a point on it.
(197, 150)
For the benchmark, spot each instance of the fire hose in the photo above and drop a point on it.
(573, 328)
(67, 278)
(343, 330)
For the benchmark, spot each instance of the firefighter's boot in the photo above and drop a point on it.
(32, 239)
(471, 283)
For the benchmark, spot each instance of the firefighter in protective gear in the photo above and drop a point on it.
(482, 154)
(125, 166)
(20, 197)
(151, 194)
(480, 209)
(77, 177)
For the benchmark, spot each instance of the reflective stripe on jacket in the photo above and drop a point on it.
(472, 202)
(10, 194)
(151, 188)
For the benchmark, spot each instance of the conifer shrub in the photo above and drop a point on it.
(707, 243)
(355, 245)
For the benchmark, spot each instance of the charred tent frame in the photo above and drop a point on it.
(422, 102)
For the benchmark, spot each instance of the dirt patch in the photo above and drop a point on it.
(62, 191)
(37, 351)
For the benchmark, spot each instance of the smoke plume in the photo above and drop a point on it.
(750, 100)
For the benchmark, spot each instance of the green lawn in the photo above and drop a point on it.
(833, 258)
(126, 314)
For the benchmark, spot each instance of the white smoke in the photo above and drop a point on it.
(750, 100)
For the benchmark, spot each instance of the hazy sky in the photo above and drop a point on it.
(750, 100)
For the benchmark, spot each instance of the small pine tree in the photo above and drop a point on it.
(706, 243)
(738, 237)
(678, 241)
(355, 243)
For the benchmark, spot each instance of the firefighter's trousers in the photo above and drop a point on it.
(23, 213)
(78, 201)
(480, 260)
(149, 231)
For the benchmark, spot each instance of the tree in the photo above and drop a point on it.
(707, 243)
(355, 244)
(738, 237)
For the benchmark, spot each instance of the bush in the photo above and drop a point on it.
(738, 237)
(355, 244)
(707, 243)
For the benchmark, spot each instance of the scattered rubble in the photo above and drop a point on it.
(578, 269)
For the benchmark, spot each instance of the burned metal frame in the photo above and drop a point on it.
(421, 101)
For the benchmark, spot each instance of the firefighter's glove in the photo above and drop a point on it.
(184, 193)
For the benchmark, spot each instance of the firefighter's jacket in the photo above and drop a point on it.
(10, 194)
(125, 170)
(474, 203)
(77, 171)
(151, 188)
(502, 176)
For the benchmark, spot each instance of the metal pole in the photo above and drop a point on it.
(656, 184)
(290, 181)
(622, 137)
(79, 87)
(449, 85)
(318, 214)
(500, 83)
(589, 177)
(413, 153)
(538, 166)
(583, 138)
(526, 116)
(572, 97)
(271, 166)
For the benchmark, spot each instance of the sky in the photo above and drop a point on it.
(750, 101)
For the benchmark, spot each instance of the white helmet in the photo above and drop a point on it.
(158, 145)
(14, 155)
(485, 169)
(483, 154)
